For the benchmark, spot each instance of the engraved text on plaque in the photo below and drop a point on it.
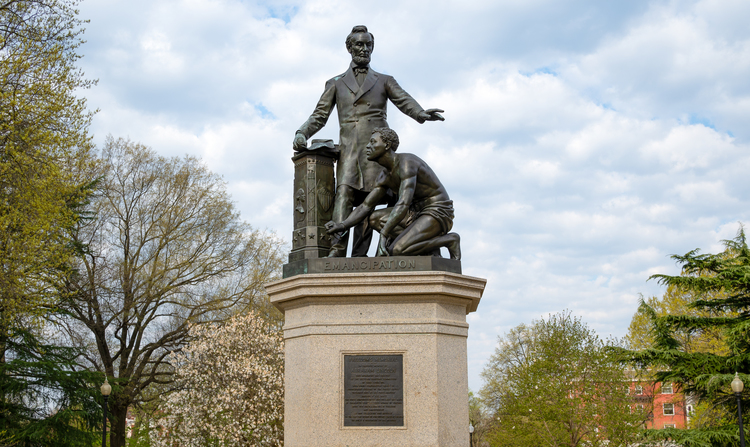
(374, 390)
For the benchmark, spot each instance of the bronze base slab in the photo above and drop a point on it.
(378, 264)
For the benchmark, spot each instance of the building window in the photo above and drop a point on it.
(638, 390)
(669, 409)
(668, 425)
(666, 388)
(639, 407)
(689, 409)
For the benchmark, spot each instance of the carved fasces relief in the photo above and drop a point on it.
(311, 214)
(299, 206)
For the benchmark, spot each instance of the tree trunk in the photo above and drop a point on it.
(119, 412)
(3, 338)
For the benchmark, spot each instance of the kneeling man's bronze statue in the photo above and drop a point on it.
(420, 222)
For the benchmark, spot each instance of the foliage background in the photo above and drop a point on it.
(554, 383)
(684, 348)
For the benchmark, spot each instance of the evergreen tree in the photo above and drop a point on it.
(722, 281)
(676, 302)
(47, 399)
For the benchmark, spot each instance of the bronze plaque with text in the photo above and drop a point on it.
(374, 390)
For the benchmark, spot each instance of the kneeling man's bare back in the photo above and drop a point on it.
(420, 222)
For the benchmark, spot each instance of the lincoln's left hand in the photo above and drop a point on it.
(431, 115)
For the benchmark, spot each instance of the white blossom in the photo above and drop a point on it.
(229, 387)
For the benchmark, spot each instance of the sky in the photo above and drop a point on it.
(584, 142)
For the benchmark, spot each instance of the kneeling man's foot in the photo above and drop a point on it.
(454, 247)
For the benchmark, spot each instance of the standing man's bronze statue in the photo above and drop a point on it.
(361, 96)
(420, 222)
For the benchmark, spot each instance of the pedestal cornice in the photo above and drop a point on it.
(406, 286)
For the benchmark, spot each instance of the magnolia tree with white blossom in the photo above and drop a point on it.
(229, 382)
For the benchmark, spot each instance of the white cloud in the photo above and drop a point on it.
(681, 59)
(690, 147)
(584, 142)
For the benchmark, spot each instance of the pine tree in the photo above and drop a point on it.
(722, 281)
(48, 399)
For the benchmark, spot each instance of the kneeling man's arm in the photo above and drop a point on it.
(360, 212)
(405, 196)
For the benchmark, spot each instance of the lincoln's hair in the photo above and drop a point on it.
(357, 30)
(389, 137)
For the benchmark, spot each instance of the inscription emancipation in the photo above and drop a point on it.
(374, 390)
(390, 264)
(355, 264)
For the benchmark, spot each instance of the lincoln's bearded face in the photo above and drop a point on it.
(361, 48)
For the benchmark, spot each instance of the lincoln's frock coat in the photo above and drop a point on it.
(360, 109)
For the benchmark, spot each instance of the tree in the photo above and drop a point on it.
(43, 134)
(43, 141)
(48, 400)
(166, 251)
(677, 302)
(553, 383)
(720, 284)
(230, 381)
(478, 419)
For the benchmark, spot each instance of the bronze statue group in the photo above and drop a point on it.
(370, 172)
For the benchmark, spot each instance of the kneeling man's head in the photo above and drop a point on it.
(389, 137)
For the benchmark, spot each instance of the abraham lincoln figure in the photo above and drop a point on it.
(361, 96)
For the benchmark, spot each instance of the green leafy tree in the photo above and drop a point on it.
(553, 383)
(676, 301)
(479, 419)
(166, 251)
(720, 287)
(44, 142)
(43, 137)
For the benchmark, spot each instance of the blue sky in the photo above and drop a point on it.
(584, 141)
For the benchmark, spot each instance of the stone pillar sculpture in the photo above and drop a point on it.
(376, 359)
(314, 190)
(375, 348)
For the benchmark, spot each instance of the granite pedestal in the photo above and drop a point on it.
(352, 339)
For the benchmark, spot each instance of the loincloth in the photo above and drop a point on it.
(441, 211)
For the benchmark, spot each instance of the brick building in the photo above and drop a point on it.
(664, 404)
